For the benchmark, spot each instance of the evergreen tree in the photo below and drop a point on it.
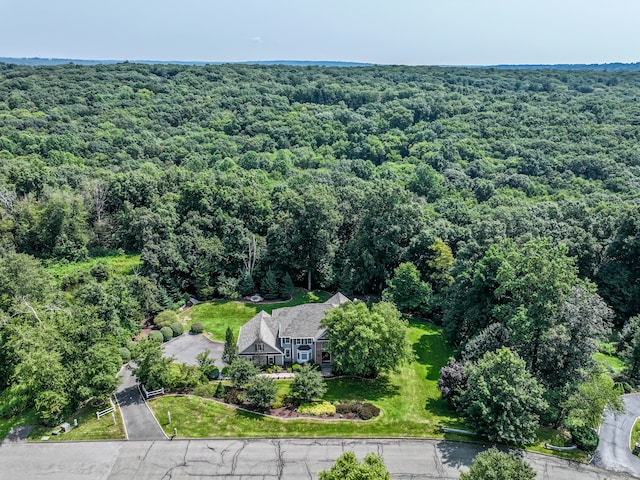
(269, 286)
(245, 284)
(286, 287)
(230, 347)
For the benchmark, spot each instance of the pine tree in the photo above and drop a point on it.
(245, 284)
(230, 348)
(269, 286)
(287, 287)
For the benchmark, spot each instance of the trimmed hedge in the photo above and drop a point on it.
(167, 333)
(156, 335)
(197, 327)
(178, 329)
(125, 354)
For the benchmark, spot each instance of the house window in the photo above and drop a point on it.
(309, 341)
(298, 341)
(272, 360)
(287, 353)
(286, 341)
(303, 356)
(260, 347)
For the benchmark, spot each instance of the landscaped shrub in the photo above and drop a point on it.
(344, 408)
(166, 318)
(178, 329)
(220, 390)
(234, 396)
(157, 336)
(133, 348)
(196, 328)
(368, 411)
(125, 354)
(585, 438)
(206, 390)
(214, 373)
(225, 371)
(183, 376)
(167, 333)
(317, 408)
(296, 367)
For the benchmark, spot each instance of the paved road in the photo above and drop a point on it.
(185, 348)
(247, 459)
(138, 419)
(613, 451)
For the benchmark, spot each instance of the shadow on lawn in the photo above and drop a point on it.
(348, 388)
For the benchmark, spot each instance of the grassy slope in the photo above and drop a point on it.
(409, 400)
(216, 316)
(119, 265)
(89, 427)
(635, 434)
(25, 418)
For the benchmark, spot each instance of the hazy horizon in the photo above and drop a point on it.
(408, 32)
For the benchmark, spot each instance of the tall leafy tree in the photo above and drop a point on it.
(347, 466)
(496, 465)
(502, 400)
(366, 342)
(230, 352)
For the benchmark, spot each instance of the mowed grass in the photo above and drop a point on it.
(559, 439)
(25, 418)
(409, 400)
(635, 434)
(612, 364)
(117, 265)
(218, 315)
(89, 427)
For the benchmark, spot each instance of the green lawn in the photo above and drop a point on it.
(25, 418)
(409, 400)
(117, 265)
(612, 364)
(558, 439)
(635, 434)
(89, 427)
(217, 316)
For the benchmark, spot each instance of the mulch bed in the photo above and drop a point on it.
(288, 412)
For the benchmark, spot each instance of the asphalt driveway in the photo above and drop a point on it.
(613, 451)
(185, 348)
(138, 419)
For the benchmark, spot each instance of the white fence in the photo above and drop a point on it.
(160, 391)
(106, 411)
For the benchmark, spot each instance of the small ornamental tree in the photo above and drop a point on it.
(348, 467)
(365, 342)
(453, 381)
(261, 391)
(152, 369)
(502, 400)
(166, 318)
(205, 362)
(269, 286)
(308, 384)
(230, 351)
(496, 465)
(241, 371)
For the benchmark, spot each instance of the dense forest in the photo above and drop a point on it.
(513, 194)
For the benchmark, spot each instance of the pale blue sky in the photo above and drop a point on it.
(431, 32)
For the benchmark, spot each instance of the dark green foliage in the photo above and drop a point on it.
(245, 284)
(367, 411)
(408, 291)
(308, 384)
(502, 400)
(586, 438)
(50, 406)
(286, 287)
(196, 328)
(233, 396)
(100, 271)
(177, 328)
(453, 381)
(493, 464)
(167, 333)
(220, 390)
(183, 377)
(206, 363)
(230, 347)
(152, 369)
(269, 286)
(241, 371)
(261, 391)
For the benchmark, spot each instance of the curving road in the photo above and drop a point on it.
(613, 451)
(138, 419)
(264, 459)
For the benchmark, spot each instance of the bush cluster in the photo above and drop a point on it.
(585, 438)
(234, 396)
(197, 327)
(317, 408)
(364, 410)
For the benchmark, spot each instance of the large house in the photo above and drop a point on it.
(288, 335)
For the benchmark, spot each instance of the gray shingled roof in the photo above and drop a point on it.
(301, 321)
